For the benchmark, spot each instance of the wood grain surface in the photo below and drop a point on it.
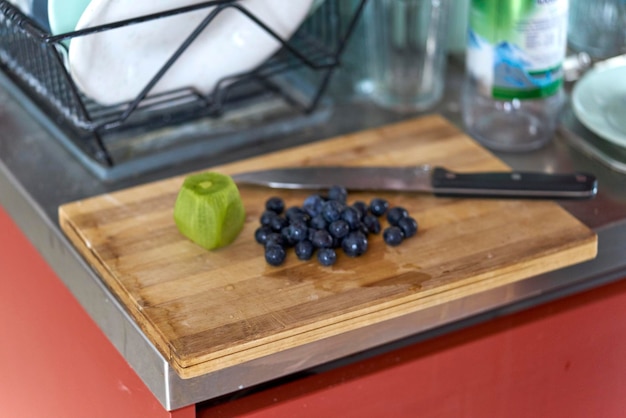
(210, 310)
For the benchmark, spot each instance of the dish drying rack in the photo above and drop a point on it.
(291, 82)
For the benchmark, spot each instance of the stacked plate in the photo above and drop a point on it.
(599, 102)
(115, 65)
(63, 15)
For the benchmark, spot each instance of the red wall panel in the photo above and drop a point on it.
(54, 361)
(563, 359)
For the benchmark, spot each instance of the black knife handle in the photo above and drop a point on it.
(514, 184)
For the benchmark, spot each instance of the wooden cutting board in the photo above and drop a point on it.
(210, 310)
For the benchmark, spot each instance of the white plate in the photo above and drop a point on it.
(599, 102)
(115, 65)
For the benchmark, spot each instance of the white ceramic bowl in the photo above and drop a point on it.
(115, 65)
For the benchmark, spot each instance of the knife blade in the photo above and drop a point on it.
(432, 179)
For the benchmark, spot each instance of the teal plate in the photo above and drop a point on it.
(63, 15)
(599, 102)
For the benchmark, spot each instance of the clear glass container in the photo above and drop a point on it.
(597, 27)
(403, 52)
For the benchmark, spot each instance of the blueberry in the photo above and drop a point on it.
(278, 222)
(364, 229)
(339, 229)
(261, 234)
(304, 217)
(275, 255)
(338, 193)
(322, 239)
(361, 207)
(267, 216)
(288, 241)
(313, 205)
(355, 244)
(299, 230)
(325, 224)
(295, 213)
(304, 250)
(294, 233)
(326, 256)
(372, 223)
(275, 204)
(331, 210)
(351, 216)
(275, 238)
(393, 236)
(318, 222)
(395, 214)
(408, 226)
(378, 206)
(293, 210)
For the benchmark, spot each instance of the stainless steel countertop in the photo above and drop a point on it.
(37, 175)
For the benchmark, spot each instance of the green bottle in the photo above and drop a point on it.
(513, 91)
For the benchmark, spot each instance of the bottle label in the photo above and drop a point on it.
(516, 47)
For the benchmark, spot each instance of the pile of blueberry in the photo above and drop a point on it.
(322, 225)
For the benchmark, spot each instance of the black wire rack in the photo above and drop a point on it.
(33, 59)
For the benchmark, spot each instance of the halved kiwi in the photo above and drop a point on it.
(209, 210)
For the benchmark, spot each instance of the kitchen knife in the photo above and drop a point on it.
(437, 180)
